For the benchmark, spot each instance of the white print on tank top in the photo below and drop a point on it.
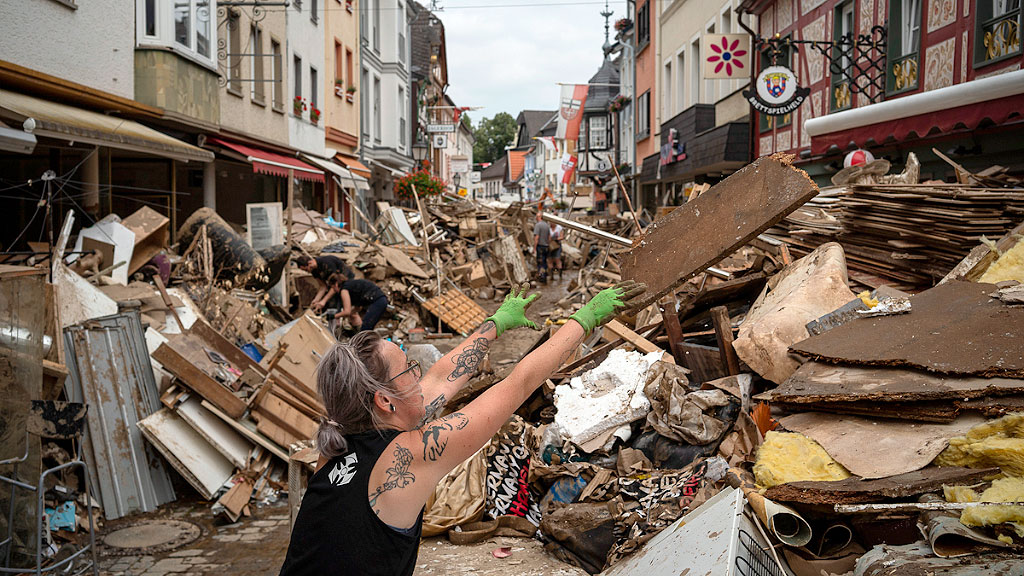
(344, 471)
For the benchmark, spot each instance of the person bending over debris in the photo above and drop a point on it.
(362, 293)
(322, 268)
(382, 451)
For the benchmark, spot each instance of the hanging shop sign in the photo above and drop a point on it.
(776, 92)
(440, 128)
(673, 150)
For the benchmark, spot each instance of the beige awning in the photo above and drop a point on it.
(65, 122)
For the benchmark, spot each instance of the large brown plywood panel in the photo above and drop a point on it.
(700, 233)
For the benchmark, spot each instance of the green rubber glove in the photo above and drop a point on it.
(512, 313)
(608, 303)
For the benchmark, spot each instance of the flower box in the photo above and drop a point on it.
(339, 91)
(350, 96)
(348, 6)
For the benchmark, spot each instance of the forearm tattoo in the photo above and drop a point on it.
(432, 409)
(435, 437)
(487, 325)
(568, 353)
(468, 361)
(399, 475)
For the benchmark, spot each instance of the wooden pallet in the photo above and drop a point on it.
(457, 311)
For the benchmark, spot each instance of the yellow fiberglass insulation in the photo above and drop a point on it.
(998, 442)
(789, 457)
(1009, 266)
(1002, 490)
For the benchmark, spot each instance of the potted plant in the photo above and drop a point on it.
(350, 93)
(623, 24)
(298, 106)
(424, 184)
(618, 103)
(314, 115)
(339, 89)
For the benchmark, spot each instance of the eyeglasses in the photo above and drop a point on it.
(413, 367)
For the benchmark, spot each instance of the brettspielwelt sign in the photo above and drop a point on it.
(776, 92)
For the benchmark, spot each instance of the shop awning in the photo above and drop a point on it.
(345, 177)
(65, 122)
(354, 166)
(272, 163)
(998, 99)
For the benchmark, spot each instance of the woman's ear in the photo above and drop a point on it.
(381, 401)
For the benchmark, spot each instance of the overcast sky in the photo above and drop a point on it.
(508, 59)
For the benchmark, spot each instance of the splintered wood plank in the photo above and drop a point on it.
(857, 490)
(615, 329)
(700, 233)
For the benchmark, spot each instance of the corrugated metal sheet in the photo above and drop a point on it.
(108, 361)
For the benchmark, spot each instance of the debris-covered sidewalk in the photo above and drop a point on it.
(817, 382)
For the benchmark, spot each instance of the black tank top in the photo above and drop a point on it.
(336, 531)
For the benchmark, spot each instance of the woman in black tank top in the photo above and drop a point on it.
(384, 443)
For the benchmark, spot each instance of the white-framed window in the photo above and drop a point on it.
(910, 29)
(256, 64)
(314, 81)
(709, 85)
(401, 117)
(666, 100)
(277, 75)
(598, 132)
(681, 80)
(376, 110)
(695, 71)
(376, 26)
(400, 26)
(185, 26)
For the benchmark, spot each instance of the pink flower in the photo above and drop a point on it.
(727, 56)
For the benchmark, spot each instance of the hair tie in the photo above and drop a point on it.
(333, 423)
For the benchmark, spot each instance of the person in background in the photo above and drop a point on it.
(384, 446)
(322, 268)
(541, 240)
(555, 251)
(362, 293)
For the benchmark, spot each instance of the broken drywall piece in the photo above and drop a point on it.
(610, 395)
(199, 463)
(804, 291)
(856, 442)
(79, 300)
(700, 233)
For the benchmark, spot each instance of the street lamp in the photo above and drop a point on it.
(419, 153)
(457, 179)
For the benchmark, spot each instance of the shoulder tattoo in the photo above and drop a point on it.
(435, 436)
(399, 475)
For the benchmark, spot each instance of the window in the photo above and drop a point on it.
(997, 31)
(339, 64)
(904, 46)
(256, 69)
(376, 26)
(841, 67)
(150, 18)
(598, 131)
(666, 91)
(709, 85)
(643, 115)
(313, 12)
(400, 26)
(277, 78)
(376, 110)
(348, 68)
(297, 78)
(681, 81)
(235, 52)
(643, 25)
(363, 7)
(401, 116)
(363, 119)
(766, 122)
(313, 88)
(695, 72)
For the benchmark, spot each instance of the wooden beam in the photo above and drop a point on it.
(616, 329)
(670, 316)
(583, 228)
(723, 332)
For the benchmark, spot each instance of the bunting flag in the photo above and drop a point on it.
(566, 169)
(570, 111)
(458, 113)
(548, 142)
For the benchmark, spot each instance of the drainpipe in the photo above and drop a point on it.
(631, 5)
(753, 128)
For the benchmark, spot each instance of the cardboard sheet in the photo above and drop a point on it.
(857, 443)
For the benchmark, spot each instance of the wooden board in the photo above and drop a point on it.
(190, 454)
(308, 341)
(151, 236)
(457, 311)
(954, 328)
(857, 443)
(820, 382)
(400, 261)
(700, 233)
(184, 356)
(249, 431)
(223, 438)
(856, 490)
(615, 329)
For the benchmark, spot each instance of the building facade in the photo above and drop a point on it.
(949, 78)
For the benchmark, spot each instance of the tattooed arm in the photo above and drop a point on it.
(449, 374)
(440, 445)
